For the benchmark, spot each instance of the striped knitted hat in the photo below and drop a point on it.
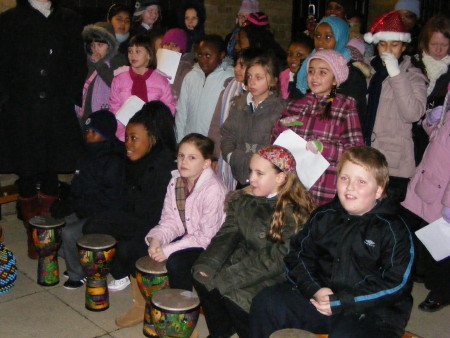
(258, 19)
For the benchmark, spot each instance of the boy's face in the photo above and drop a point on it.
(393, 47)
(93, 137)
(357, 189)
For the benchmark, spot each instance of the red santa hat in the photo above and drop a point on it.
(387, 27)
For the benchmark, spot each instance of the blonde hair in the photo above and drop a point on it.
(292, 194)
(370, 159)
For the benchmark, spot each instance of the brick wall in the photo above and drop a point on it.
(221, 17)
(6, 4)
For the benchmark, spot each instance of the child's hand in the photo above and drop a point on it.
(203, 274)
(446, 214)
(155, 250)
(321, 301)
(434, 115)
(391, 63)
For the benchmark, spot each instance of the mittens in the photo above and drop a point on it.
(314, 146)
(391, 63)
(446, 214)
(434, 115)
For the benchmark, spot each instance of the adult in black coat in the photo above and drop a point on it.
(42, 71)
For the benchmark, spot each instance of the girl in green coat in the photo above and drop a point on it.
(246, 255)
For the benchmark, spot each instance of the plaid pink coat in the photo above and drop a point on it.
(341, 132)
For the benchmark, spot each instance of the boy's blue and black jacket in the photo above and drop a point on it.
(365, 260)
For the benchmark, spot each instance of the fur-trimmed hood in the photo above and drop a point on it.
(101, 31)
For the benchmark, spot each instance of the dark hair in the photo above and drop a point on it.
(204, 144)
(216, 41)
(327, 110)
(157, 119)
(438, 23)
(303, 40)
(270, 64)
(247, 54)
(116, 9)
(145, 42)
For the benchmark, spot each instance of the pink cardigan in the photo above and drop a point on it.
(284, 83)
(158, 88)
(204, 212)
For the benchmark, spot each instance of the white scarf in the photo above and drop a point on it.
(435, 68)
(44, 7)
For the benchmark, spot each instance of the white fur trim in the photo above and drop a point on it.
(390, 36)
(368, 37)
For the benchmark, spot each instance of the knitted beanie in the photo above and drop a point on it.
(280, 157)
(335, 60)
(8, 269)
(249, 6)
(408, 5)
(258, 19)
(387, 27)
(103, 122)
(176, 36)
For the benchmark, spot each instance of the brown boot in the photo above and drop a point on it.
(29, 207)
(135, 315)
(46, 202)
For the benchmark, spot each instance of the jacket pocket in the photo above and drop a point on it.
(428, 187)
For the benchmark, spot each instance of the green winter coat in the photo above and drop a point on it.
(240, 261)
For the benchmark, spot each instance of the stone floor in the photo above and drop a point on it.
(30, 310)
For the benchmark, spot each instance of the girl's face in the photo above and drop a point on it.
(264, 179)
(320, 77)
(191, 18)
(393, 47)
(191, 162)
(92, 136)
(241, 18)
(335, 9)
(137, 141)
(297, 53)
(324, 37)
(121, 23)
(259, 82)
(239, 70)
(151, 14)
(357, 189)
(438, 47)
(209, 57)
(172, 46)
(99, 50)
(242, 41)
(139, 58)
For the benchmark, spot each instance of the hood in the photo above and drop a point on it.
(101, 31)
(201, 13)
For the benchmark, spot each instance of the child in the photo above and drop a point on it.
(252, 116)
(101, 48)
(193, 211)
(428, 197)
(246, 254)
(150, 144)
(234, 88)
(298, 51)
(141, 80)
(119, 16)
(201, 88)
(349, 267)
(96, 187)
(397, 97)
(327, 121)
(192, 20)
(146, 17)
(332, 33)
(175, 40)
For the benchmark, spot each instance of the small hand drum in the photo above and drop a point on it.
(292, 333)
(175, 312)
(47, 240)
(151, 277)
(96, 252)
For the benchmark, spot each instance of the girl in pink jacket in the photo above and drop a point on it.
(141, 79)
(193, 211)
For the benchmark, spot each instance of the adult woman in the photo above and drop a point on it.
(434, 60)
(42, 70)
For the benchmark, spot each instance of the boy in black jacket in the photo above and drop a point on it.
(96, 187)
(349, 268)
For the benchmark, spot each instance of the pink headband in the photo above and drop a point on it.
(280, 157)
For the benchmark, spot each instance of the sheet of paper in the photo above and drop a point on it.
(131, 106)
(436, 238)
(167, 63)
(310, 166)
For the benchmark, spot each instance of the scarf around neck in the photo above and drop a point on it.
(44, 7)
(139, 87)
(435, 68)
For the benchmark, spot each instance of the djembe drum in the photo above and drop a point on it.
(47, 240)
(175, 312)
(96, 252)
(292, 333)
(151, 277)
